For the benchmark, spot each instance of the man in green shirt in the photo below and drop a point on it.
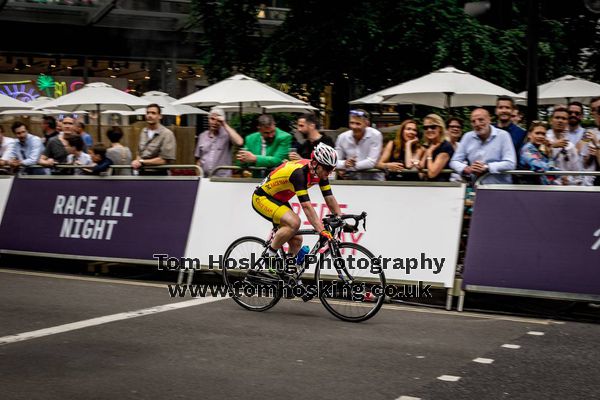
(266, 148)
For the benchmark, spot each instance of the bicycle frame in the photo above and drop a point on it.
(322, 245)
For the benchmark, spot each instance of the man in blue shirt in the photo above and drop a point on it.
(26, 151)
(484, 149)
(504, 109)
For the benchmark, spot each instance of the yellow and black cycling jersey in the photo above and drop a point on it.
(292, 178)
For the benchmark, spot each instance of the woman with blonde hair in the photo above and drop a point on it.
(404, 150)
(439, 150)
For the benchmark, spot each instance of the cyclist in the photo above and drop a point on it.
(270, 199)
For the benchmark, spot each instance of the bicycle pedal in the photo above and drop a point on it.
(307, 297)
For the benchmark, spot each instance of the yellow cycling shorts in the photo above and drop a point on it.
(269, 207)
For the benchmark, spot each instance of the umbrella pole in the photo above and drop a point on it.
(448, 101)
(240, 111)
(98, 122)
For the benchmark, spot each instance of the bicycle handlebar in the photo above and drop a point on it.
(334, 221)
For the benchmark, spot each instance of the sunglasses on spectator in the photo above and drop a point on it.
(455, 126)
(426, 127)
(537, 122)
(358, 113)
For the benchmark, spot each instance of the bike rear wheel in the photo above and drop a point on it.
(253, 289)
(350, 300)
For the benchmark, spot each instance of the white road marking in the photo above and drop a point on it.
(105, 319)
(448, 378)
(536, 333)
(483, 360)
(408, 398)
(511, 346)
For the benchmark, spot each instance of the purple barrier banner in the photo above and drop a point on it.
(99, 218)
(544, 240)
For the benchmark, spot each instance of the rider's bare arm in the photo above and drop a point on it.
(312, 216)
(333, 204)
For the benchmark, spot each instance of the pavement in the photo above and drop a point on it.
(73, 336)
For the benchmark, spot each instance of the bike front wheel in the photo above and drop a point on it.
(247, 282)
(350, 285)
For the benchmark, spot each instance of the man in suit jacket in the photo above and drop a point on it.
(266, 148)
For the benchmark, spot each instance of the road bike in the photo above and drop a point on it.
(347, 278)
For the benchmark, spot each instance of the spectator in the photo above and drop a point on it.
(517, 116)
(574, 129)
(439, 150)
(117, 153)
(393, 155)
(266, 148)
(308, 126)
(359, 148)
(484, 149)
(80, 130)
(101, 162)
(76, 154)
(25, 152)
(56, 148)
(536, 155)
(6, 146)
(157, 144)
(589, 146)
(49, 128)
(564, 152)
(455, 130)
(214, 145)
(505, 106)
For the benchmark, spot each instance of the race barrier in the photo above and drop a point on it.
(97, 218)
(415, 226)
(535, 241)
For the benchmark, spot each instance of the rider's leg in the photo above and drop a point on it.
(295, 244)
(288, 226)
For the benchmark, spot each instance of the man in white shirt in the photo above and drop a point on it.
(564, 152)
(6, 145)
(575, 130)
(589, 146)
(359, 148)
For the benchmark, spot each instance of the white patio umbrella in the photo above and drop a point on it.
(38, 112)
(8, 103)
(566, 89)
(97, 96)
(291, 108)
(166, 103)
(446, 87)
(240, 90)
(35, 105)
(373, 98)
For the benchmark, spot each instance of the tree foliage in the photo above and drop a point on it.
(360, 47)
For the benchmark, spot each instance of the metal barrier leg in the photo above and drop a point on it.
(461, 301)
(190, 276)
(449, 299)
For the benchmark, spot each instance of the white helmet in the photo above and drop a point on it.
(325, 155)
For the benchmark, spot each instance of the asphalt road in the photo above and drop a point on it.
(123, 339)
